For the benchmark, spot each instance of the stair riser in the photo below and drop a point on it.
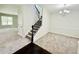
(35, 29)
(28, 37)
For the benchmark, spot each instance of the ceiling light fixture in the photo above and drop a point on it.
(64, 11)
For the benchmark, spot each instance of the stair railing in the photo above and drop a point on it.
(38, 12)
(32, 34)
(40, 19)
(32, 38)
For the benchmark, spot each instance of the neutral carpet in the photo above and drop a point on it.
(58, 44)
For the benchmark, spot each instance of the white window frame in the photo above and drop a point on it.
(6, 20)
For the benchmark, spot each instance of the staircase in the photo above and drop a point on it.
(35, 27)
(34, 30)
(32, 48)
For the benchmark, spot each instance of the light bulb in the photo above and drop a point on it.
(66, 11)
(60, 12)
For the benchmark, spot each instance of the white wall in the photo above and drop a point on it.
(20, 21)
(26, 18)
(67, 25)
(44, 29)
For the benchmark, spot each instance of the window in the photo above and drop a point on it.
(6, 20)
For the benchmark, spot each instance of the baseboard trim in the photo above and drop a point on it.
(65, 35)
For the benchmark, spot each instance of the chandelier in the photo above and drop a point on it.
(64, 11)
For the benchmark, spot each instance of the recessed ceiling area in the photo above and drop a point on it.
(9, 8)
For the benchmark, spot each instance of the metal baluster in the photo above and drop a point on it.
(32, 35)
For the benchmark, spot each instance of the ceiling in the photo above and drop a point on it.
(15, 6)
(52, 8)
(9, 8)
